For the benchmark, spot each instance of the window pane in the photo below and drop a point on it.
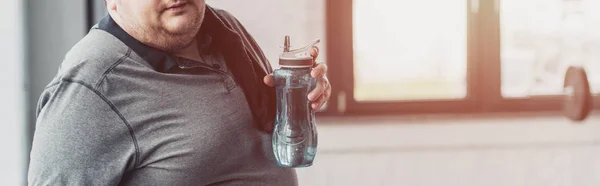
(268, 21)
(408, 50)
(541, 38)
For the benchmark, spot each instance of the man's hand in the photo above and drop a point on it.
(321, 93)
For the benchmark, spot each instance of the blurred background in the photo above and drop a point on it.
(425, 93)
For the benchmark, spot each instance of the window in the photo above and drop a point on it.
(446, 56)
(404, 51)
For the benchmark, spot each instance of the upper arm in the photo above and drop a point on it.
(80, 139)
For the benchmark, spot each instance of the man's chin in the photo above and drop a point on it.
(178, 36)
(182, 25)
(181, 30)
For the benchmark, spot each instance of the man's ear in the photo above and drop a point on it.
(111, 4)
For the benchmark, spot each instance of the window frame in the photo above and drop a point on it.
(484, 93)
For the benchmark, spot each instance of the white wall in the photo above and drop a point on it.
(521, 151)
(12, 96)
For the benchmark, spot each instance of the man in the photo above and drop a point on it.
(162, 92)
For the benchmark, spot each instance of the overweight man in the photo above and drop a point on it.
(162, 92)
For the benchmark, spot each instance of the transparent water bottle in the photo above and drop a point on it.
(295, 132)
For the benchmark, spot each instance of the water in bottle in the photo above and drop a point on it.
(295, 133)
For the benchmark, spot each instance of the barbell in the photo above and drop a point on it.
(578, 100)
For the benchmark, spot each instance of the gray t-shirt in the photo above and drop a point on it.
(109, 118)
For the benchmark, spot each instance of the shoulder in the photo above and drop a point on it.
(92, 57)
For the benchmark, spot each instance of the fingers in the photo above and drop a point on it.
(319, 71)
(322, 85)
(269, 80)
(314, 52)
(316, 105)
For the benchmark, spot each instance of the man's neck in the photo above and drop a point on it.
(190, 52)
